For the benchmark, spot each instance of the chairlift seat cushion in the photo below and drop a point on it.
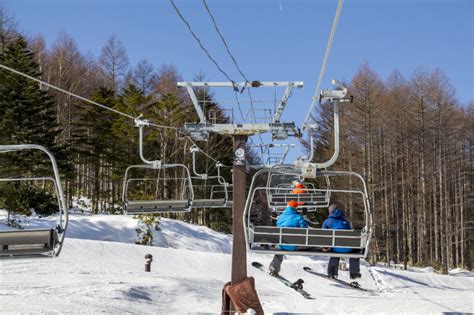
(203, 203)
(156, 206)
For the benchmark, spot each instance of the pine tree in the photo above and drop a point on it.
(27, 115)
(95, 143)
(27, 112)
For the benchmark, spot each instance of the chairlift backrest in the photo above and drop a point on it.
(37, 242)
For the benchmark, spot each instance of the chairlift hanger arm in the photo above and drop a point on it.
(141, 124)
(335, 97)
(194, 149)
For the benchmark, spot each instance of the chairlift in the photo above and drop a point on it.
(309, 241)
(210, 191)
(173, 193)
(33, 243)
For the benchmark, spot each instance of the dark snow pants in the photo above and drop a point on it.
(275, 265)
(333, 266)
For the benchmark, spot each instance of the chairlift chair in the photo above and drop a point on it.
(33, 243)
(214, 192)
(309, 241)
(209, 195)
(171, 194)
(280, 190)
(219, 190)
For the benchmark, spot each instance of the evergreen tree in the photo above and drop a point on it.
(27, 115)
(95, 143)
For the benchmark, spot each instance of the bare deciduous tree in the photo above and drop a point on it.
(113, 62)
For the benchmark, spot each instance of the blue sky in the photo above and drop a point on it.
(273, 40)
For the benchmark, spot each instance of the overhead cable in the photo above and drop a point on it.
(199, 41)
(216, 27)
(325, 59)
(204, 152)
(78, 96)
(99, 105)
(223, 40)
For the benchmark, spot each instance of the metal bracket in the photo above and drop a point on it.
(280, 131)
(156, 164)
(332, 95)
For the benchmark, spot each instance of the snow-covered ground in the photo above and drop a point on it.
(101, 270)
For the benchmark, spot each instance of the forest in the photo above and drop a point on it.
(410, 138)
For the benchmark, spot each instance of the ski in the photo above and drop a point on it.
(297, 286)
(353, 285)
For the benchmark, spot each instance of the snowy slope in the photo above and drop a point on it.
(117, 228)
(94, 276)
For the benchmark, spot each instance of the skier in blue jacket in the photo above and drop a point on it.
(289, 218)
(337, 220)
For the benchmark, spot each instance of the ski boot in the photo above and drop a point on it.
(298, 284)
(332, 276)
(355, 276)
(355, 284)
(274, 273)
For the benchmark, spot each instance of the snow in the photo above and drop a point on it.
(101, 270)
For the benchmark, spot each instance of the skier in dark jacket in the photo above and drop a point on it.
(337, 220)
(289, 218)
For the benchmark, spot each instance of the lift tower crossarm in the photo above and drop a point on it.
(236, 85)
(282, 103)
(254, 84)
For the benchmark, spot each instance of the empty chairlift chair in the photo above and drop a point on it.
(29, 243)
(309, 241)
(209, 191)
(219, 190)
(158, 193)
(168, 189)
(280, 190)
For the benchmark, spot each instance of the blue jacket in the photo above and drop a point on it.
(290, 218)
(337, 221)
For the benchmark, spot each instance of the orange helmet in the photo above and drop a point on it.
(299, 185)
(294, 204)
